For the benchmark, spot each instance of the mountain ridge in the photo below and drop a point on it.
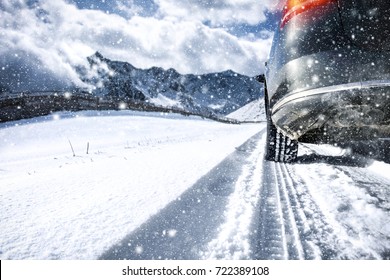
(219, 93)
(117, 85)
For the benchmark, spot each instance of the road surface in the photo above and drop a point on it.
(325, 206)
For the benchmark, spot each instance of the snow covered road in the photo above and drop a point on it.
(169, 187)
(318, 211)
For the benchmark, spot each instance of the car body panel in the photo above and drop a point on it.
(367, 23)
(293, 41)
(322, 86)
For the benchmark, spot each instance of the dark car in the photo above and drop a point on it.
(328, 76)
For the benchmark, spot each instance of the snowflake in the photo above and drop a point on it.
(139, 250)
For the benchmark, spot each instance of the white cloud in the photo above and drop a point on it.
(42, 45)
(217, 12)
(128, 7)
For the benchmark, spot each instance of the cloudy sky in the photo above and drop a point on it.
(42, 41)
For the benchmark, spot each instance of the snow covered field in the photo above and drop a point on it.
(56, 205)
(158, 186)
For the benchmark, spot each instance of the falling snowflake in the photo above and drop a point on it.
(122, 106)
(139, 250)
(172, 233)
(67, 95)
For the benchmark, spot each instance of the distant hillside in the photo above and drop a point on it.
(252, 112)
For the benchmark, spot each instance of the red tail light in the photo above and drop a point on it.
(296, 7)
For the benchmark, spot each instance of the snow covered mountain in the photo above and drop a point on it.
(119, 85)
(251, 112)
(219, 93)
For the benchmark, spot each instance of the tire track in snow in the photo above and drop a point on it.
(293, 221)
(272, 241)
(293, 224)
(319, 238)
(282, 226)
(233, 240)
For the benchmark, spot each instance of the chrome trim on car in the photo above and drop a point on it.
(337, 88)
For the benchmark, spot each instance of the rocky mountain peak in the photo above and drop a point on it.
(212, 93)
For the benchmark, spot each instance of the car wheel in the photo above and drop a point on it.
(279, 148)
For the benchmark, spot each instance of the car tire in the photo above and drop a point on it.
(279, 148)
